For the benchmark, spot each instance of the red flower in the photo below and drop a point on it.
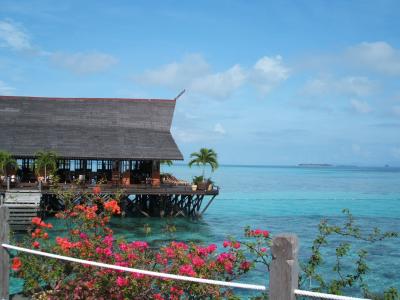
(36, 244)
(158, 297)
(38, 222)
(236, 245)
(96, 190)
(112, 206)
(16, 264)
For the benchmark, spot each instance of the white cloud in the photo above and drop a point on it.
(219, 85)
(361, 107)
(378, 56)
(350, 85)
(13, 36)
(269, 72)
(356, 85)
(177, 74)
(194, 73)
(6, 89)
(187, 135)
(218, 128)
(84, 63)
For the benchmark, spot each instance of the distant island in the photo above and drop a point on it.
(314, 165)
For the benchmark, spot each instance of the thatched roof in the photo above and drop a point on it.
(91, 128)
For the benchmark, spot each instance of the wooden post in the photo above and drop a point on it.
(4, 257)
(284, 269)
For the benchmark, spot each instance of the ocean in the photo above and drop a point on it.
(289, 199)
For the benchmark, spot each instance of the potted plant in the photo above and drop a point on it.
(203, 158)
(198, 181)
(7, 163)
(210, 184)
(46, 163)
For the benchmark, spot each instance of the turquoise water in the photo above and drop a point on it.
(291, 199)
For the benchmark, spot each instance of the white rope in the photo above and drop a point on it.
(324, 296)
(144, 272)
(176, 277)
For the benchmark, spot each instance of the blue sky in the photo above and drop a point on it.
(267, 82)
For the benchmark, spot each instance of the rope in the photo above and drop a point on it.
(324, 296)
(144, 272)
(176, 277)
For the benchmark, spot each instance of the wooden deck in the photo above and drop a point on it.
(141, 199)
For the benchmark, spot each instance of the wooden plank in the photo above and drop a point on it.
(284, 269)
(4, 257)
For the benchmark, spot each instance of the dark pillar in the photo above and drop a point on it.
(155, 173)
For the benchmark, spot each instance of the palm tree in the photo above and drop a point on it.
(167, 162)
(204, 157)
(7, 162)
(46, 161)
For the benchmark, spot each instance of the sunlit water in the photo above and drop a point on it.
(289, 199)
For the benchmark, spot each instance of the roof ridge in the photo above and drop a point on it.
(87, 99)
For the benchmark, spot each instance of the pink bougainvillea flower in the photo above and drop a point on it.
(198, 262)
(187, 270)
(121, 281)
(245, 266)
(227, 244)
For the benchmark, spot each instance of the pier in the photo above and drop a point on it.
(136, 200)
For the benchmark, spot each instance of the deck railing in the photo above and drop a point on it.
(283, 277)
(141, 187)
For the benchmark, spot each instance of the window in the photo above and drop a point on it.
(124, 165)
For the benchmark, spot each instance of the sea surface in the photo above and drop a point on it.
(289, 199)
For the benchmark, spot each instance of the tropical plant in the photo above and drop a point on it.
(204, 157)
(198, 179)
(46, 161)
(7, 162)
(167, 162)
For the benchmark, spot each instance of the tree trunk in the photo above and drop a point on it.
(45, 174)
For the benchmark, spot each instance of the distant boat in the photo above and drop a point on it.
(314, 165)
